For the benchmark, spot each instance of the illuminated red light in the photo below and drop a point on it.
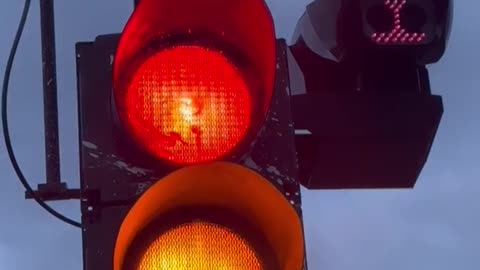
(398, 34)
(188, 104)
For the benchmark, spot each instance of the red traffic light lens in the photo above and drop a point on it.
(199, 246)
(188, 104)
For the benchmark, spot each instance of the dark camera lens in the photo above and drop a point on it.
(380, 18)
(413, 18)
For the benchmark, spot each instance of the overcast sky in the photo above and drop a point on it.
(435, 226)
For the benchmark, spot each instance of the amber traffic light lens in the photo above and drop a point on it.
(199, 246)
(188, 104)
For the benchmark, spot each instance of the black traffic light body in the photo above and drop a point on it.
(115, 173)
(367, 110)
(368, 104)
(151, 197)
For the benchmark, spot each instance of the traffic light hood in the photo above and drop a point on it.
(246, 25)
(226, 186)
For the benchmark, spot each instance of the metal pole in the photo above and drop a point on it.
(52, 158)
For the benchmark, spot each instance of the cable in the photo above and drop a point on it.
(6, 132)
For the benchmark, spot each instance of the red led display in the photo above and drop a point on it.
(188, 104)
(398, 34)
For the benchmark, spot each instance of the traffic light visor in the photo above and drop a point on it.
(216, 185)
(244, 24)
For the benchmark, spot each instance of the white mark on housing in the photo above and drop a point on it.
(89, 145)
(134, 170)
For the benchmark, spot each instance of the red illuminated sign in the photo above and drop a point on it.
(188, 104)
(398, 34)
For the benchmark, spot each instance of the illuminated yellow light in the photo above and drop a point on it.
(222, 185)
(187, 110)
(199, 246)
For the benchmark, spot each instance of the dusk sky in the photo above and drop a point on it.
(435, 226)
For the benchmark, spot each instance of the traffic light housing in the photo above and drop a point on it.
(368, 108)
(182, 115)
(137, 186)
(357, 31)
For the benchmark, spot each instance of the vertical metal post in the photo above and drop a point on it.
(53, 189)
(52, 158)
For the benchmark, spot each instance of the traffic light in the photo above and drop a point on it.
(367, 102)
(180, 118)
(362, 30)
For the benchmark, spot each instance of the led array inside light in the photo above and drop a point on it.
(398, 34)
